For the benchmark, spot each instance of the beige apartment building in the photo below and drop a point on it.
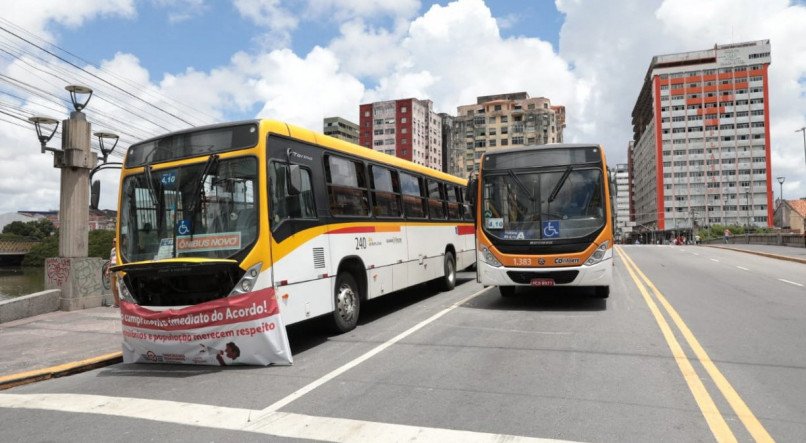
(504, 121)
(341, 128)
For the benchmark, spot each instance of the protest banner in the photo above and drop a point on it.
(237, 330)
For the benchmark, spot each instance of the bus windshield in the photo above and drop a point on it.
(200, 210)
(551, 203)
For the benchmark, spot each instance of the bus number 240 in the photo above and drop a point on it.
(360, 243)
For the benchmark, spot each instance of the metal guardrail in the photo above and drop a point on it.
(794, 240)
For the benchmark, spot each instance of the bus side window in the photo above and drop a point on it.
(453, 202)
(346, 187)
(285, 206)
(413, 201)
(436, 209)
(385, 192)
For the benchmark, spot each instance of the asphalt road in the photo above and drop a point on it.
(694, 344)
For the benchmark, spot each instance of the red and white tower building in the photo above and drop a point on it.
(701, 145)
(406, 128)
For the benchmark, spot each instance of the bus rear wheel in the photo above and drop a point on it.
(448, 281)
(601, 291)
(347, 298)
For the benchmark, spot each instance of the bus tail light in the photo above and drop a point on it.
(247, 282)
(489, 258)
(598, 255)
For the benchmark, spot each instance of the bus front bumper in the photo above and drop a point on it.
(600, 274)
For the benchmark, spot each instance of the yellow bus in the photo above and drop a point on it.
(229, 209)
(545, 218)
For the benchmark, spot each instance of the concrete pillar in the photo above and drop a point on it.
(77, 161)
(78, 277)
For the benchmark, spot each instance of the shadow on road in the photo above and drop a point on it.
(559, 298)
(310, 333)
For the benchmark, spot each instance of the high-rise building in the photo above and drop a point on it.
(407, 128)
(701, 140)
(505, 121)
(622, 179)
(341, 128)
(453, 154)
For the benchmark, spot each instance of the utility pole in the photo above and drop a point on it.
(803, 130)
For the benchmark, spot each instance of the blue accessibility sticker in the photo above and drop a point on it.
(551, 229)
(183, 227)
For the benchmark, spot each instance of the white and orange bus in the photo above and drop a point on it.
(228, 209)
(545, 218)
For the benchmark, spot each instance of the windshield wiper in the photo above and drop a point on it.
(560, 184)
(520, 183)
(150, 182)
(211, 161)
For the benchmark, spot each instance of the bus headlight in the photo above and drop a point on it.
(247, 282)
(489, 258)
(598, 255)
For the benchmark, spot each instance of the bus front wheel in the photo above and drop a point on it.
(347, 303)
(506, 291)
(601, 291)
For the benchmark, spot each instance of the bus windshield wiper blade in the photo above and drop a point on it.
(211, 161)
(150, 183)
(520, 184)
(560, 184)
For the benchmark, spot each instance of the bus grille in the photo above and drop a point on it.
(560, 277)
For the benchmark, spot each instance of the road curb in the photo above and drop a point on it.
(763, 254)
(24, 378)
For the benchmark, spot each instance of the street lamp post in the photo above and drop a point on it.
(72, 271)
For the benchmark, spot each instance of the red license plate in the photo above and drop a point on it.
(542, 282)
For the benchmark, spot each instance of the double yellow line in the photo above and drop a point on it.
(713, 417)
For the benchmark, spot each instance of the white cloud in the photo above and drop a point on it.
(271, 15)
(35, 16)
(342, 10)
(455, 53)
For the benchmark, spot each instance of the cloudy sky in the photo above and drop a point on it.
(161, 65)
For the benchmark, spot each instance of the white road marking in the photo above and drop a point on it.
(281, 424)
(790, 282)
(713, 259)
(347, 366)
(695, 253)
(742, 268)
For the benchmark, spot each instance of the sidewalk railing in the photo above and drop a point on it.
(795, 240)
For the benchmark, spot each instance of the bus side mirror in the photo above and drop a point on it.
(471, 191)
(294, 182)
(95, 194)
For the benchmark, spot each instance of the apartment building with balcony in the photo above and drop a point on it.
(700, 153)
(406, 128)
(505, 121)
(621, 177)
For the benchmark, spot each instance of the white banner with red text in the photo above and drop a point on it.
(237, 330)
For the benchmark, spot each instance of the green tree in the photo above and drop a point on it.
(37, 229)
(100, 243)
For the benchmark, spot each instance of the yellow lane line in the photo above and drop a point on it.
(713, 417)
(8, 381)
(741, 409)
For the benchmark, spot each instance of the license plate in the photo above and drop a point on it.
(542, 282)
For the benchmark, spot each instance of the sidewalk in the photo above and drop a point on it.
(58, 343)
(789, 253)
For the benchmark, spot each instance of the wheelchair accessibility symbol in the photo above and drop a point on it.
(183, 227)
(551, 229)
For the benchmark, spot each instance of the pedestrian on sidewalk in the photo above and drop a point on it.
(727, 235)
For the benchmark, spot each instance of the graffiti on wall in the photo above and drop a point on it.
(57, 271)
(87, 273)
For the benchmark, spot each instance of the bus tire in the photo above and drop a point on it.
(448, 281)
(347, 303)
(506, 291)
(601, 291)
